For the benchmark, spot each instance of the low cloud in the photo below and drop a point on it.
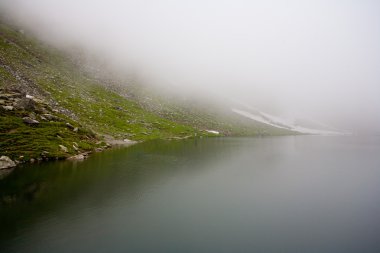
(315, 59)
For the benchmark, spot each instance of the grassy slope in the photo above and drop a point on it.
(85, 103)
(82, 102)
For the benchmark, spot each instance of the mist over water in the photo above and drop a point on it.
(313, 59)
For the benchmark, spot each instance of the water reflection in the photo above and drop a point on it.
(275, 194)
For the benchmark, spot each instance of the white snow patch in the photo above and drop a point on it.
(212, 131)
(282, 123)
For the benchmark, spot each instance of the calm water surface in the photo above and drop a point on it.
(280, 194)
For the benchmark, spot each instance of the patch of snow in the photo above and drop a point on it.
(212, 131)
(256, 117)
(282, 123)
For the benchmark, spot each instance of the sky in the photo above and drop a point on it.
(294, 58)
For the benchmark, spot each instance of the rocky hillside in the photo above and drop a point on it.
(51, 109)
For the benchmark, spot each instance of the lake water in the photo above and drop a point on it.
(275, 194)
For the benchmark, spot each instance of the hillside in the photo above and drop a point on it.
(51, 109)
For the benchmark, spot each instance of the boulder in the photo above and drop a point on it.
(6, 162)
(26, 104)
(63, 148)
(51, 117)
(79, 157)
(7, 96)
(29, 121)
(8, 107)
(71, 127)
(98, 150)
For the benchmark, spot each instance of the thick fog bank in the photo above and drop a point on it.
(312, 59)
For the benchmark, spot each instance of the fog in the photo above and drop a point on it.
(314, 59)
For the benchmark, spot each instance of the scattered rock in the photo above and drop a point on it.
(44, 153)
(30, 121)
(7, 96)
(71, 127)
(26, 104)
(98, 150)
(6, 162)
(63, 148)
(49, 116)
(79, 157)
(8, 107)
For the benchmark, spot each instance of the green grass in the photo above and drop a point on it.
(19, 139)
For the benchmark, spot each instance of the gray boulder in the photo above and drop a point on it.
(30, 121)
(6, 162)
(8, 107)
(63, 148)
(79, 157)
(26, 104)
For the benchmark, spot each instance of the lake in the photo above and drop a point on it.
(272, 194)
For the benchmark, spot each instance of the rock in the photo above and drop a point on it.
(30, 121)
(98, 150)
(79, 157)
(63, 148)
(8, 107)
(32, 160)
(2, 102)
(29, 96)
(44, 153)
(10, 95)
(26, 104)
(76, 129)
(71, 127)
(6, 162)
(50, 117)
(75, 147)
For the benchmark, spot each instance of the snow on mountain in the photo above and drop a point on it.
(278, 122)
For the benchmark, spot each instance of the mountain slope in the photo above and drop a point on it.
(49, 108)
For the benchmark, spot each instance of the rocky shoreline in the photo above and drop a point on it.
(36, 111)
(7, 165)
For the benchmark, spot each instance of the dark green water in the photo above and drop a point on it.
(281, 194)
